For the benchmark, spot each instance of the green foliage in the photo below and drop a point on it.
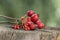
(49, 10)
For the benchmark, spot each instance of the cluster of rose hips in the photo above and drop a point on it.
(30, 22)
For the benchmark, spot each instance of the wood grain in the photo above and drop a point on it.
(48, 33)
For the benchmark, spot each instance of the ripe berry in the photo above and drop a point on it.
(16, 26)
(32, 26)
(38, 21)
(30, 12)
(40, 25)
(29, 22)
(34, 17)
(26, 27)
(28, 19)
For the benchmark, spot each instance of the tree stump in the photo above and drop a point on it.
(7, 33)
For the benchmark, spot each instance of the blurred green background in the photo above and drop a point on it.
(49, 10)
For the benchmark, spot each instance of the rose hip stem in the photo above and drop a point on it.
(11, 17)
(6, 22)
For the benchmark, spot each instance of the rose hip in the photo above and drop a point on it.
(28, 19)
(16, 26)
(38, 21)
(30, 12)
(34, 17)
(32, 26)
(29, 22)
(40, 25)
(26, 27)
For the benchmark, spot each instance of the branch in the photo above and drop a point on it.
(9, 17)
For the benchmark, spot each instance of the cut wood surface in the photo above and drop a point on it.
(48, 33)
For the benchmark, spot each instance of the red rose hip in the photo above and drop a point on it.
(26, 27)
(32, 26)
(30, 12)
(40, 25)
(38, 21)
(16, 26)
(28, 19)
(34, 17)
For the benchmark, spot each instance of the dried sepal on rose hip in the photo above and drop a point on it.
(23, 19)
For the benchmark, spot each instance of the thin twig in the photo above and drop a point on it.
(18, 19)
(6, 22)
(9, 17)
